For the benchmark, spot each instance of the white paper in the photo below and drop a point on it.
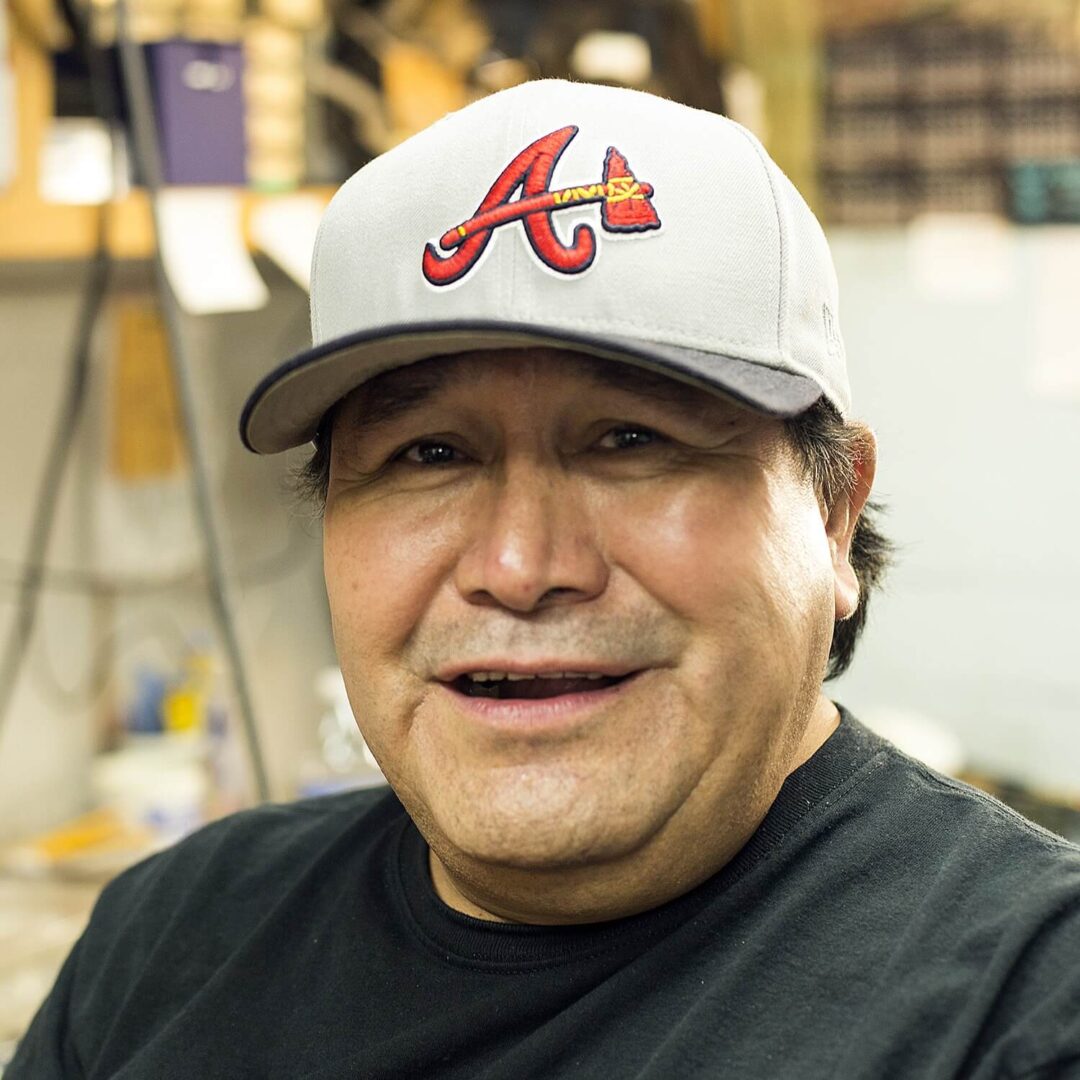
(284, 227)
(962, 256)
(1054, 373)
(203, 249)
(79, 164)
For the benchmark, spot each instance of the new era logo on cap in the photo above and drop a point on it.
(494, 229)
(625, 207)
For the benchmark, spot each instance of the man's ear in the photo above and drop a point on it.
(840, 525)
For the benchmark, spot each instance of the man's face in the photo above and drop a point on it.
(539, 511)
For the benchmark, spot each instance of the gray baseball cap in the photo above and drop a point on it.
(592, 218)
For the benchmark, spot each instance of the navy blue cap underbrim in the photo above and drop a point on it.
(286, 407)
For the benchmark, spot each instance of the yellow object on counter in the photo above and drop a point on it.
(100, 836)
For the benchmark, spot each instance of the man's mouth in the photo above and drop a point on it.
(505, 686)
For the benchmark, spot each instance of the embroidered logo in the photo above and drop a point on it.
(625, 207)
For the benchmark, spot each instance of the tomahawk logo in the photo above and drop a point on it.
(625, 207)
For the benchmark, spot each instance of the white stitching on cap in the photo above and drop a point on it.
(315, 321)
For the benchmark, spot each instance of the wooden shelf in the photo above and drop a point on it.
(32, 229)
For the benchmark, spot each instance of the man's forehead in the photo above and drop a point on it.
(396, 392)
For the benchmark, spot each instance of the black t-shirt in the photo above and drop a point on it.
(883, 922)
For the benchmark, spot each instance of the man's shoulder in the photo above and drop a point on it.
(984, 816)
(949, 828)
(252, 853)
(946, 902)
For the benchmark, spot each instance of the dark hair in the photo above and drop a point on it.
(311, 480)
(829, 449)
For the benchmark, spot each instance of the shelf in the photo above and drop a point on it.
(31, 229)
(34, 230)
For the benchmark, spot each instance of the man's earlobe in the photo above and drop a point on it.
(843, 517)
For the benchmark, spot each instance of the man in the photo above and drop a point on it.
(594, 532)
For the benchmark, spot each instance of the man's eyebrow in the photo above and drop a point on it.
(395, 394)
(385, 399)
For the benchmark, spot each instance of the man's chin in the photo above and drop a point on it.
(538, 858)
(532, 836)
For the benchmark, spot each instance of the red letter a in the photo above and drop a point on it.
(531, 171)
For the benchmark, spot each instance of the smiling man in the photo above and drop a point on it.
(596, 531)
(607, 627)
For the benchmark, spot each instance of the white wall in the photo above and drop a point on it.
(980, 628)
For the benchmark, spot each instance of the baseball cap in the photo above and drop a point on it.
(603, 220)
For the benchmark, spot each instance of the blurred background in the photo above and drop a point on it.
(165, 648)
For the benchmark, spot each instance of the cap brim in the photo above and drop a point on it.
(285, 409)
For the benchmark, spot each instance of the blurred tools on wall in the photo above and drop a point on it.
(394, 67)
(942, 113)
(150, 121)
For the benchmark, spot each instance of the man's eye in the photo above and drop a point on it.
(429, 452)
(627, 437)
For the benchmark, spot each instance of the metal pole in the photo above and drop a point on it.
(139, 101)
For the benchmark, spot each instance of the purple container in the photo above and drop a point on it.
(199, 101)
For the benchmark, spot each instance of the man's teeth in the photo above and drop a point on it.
(497, 676)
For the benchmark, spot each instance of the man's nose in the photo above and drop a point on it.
(532, 542)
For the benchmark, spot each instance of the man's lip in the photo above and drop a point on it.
(518, 667)
(550, 717)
